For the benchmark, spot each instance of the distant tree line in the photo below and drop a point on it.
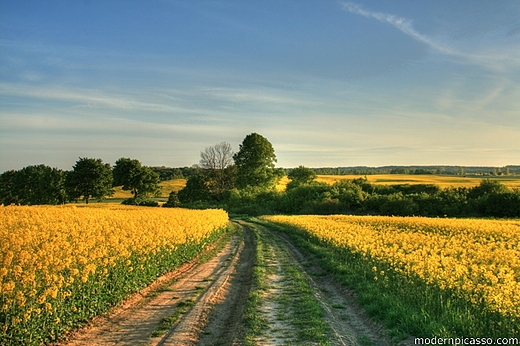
(248, 187)
(168, 173)
(448, 170)
(245, 183)
(304, 195)
(89, 178)
(358, 196)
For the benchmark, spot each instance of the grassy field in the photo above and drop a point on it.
(166, 187)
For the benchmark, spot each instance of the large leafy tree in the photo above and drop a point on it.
(142, 181)
(255, 163)
(196, 190)
(90, 178)
(33, 185)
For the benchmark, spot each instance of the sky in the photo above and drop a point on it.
(328, 83)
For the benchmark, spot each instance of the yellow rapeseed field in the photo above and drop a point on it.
(478, 259)
(61, 265)
(443, 181)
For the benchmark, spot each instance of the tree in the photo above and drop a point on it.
(173, 200)
(487, 187)
(255, 163)
(217, 160)
(196, 190)
(7, 193)
(33, 185)
(166, 173)
(218, 156)
(90, 178)
(52, 185)
(132, 176)
(300, 175)
(350, 194)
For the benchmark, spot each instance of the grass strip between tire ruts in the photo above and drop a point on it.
(297, 298)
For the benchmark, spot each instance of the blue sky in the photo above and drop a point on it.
(328, 83)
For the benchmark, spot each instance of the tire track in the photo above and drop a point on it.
(216, 319)
(219, 291)
(135, 322)
(350, 325)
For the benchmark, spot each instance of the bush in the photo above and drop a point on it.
(302, 199)
(173, 200)
(454, 202)
(394, 204)
(501, 204)
(196, 190)
(253, 201)
(350, 195)
(148, 203)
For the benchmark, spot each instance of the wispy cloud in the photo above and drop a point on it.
(93, 98)
(99, 127)
(499, 58)
(254, 96)
(401, 23)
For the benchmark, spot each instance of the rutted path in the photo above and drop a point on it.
(212, 303)
(176, 312)
(346, 323)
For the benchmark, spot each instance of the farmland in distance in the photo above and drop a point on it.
(443, 181)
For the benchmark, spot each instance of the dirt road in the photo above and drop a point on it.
(212, 303)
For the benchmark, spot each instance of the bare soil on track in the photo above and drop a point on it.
(203, 304)
(349, 324)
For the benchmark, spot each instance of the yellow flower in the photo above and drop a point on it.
(41, 299)
(478, 258)
(51, 253)
(20, 298)
(9, 286)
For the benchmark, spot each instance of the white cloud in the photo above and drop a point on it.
(86, 97)
(86, 126)
(401, 23)
(487, 52)
(251, 96)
